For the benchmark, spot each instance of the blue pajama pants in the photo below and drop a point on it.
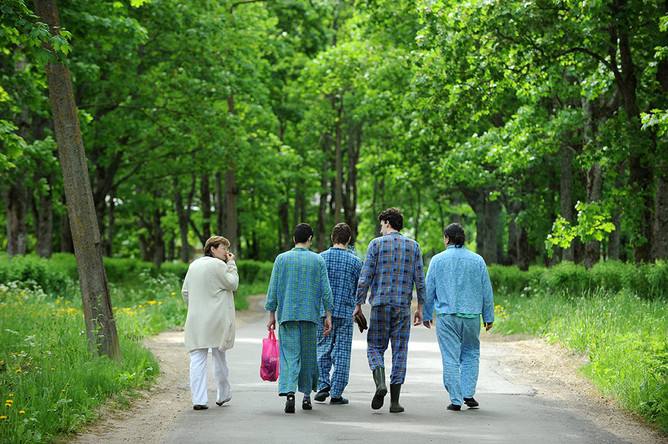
(459, 341)
(298, 363)
(334, 350)
(389, 324)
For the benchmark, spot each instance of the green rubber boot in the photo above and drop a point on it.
(395, 391)
(381, 388)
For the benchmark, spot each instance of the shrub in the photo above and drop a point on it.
(33, 272)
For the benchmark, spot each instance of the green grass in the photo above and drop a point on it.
(49, 383)
(624, 337)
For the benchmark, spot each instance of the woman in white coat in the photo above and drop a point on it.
(208, 290)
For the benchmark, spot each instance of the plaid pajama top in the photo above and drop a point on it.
(298, 286)
(392, 266)
(343, 269)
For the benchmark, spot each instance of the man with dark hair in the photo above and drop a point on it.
(393, 265)
(343, 269)
(459, 290)
(298, 289)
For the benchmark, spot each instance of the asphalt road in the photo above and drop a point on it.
(508, 413)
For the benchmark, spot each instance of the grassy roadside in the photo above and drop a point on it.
(49, 384)
(624, 337)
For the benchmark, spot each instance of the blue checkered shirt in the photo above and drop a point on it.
(343, 269)
(298, 286)
(392, 266)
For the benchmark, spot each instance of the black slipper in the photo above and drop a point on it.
(322, 395)
(290, 403)
(306, 404)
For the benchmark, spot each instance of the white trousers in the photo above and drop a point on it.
(198, 375)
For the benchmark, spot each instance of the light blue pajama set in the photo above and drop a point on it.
(459, 291)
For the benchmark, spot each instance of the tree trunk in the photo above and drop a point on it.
(220, 204)
(640, 167)
(157, 238)
(284, 225)
(594, 183)
(661, 211)
(661, 187)
(487, 223)
(417, 212)
(231, 217)
(205, 199)
(338, 160)
(44, 218)
(66, 243)
(524, 255)
(15, 201)
(183, 223)
(98, 315)
(321, 230)
(111, 226)
(566, 193)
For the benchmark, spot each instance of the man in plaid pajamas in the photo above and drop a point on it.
(393, 265)
(298, 289)
(343, 269)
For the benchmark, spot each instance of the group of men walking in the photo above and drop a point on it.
(314, 299)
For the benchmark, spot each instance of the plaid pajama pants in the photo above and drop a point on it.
(389, 324)
(335, 350)
(298, 362)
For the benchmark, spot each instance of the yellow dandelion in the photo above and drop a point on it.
(11, 395)
(152, 302)
(3, 417)
(22, 412)
(18, 370)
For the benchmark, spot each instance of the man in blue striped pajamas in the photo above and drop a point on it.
(393, 265)
(298, 290)
(459, 291)
(343, 270)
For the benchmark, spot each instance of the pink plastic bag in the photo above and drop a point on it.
(269, 364)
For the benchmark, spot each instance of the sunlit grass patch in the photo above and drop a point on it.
(624, 337)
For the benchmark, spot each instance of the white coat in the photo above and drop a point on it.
(208, 290)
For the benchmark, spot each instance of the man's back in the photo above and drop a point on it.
(343, 270)
(298, 286)
(392, 266)
(458, 279)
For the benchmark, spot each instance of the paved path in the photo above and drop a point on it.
(509, 412)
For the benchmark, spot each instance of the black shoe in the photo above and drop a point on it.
(290, 403)
(338, 401)
(471, 403)
(454, 407)
(306, 404)
(220, 403)
(381, 388)
(322, 395)
(200, 407)
(395, 391)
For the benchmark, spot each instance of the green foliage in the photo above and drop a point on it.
(647, 281)
(623, 337)
(593, 224)
(35, 273)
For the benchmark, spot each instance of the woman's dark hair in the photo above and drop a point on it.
(455, 234)
(302, 233)
(341, 233)
(393, 216)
